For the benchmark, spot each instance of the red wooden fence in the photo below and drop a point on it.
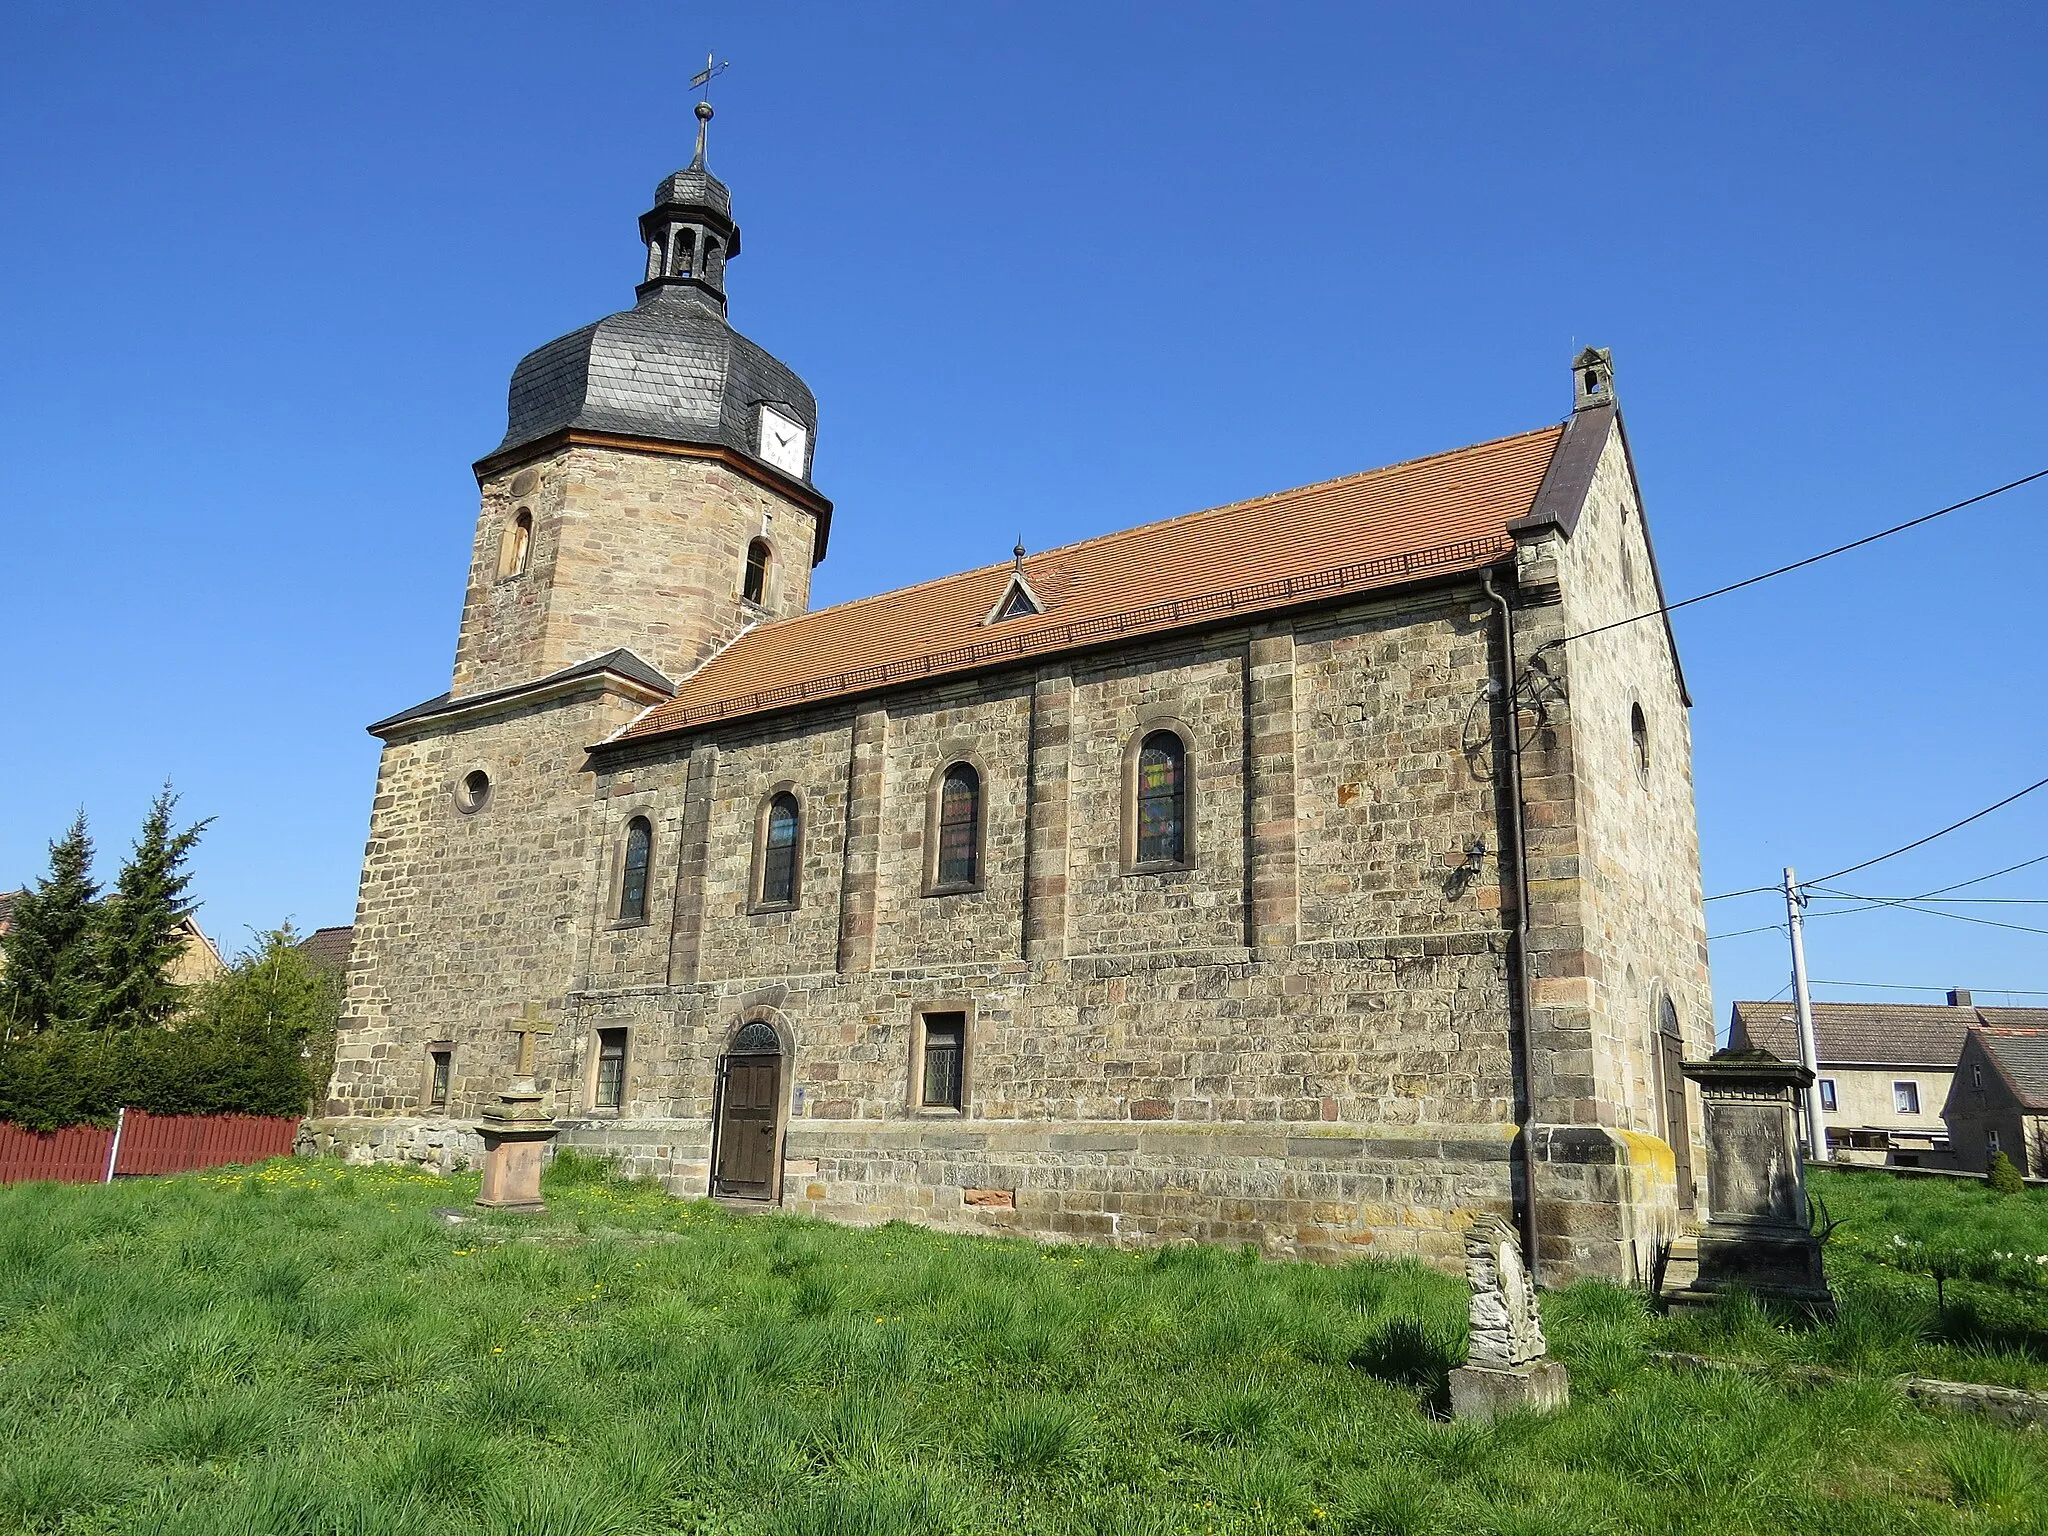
(148, 1144)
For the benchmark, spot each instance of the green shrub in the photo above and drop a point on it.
(2003, 1177)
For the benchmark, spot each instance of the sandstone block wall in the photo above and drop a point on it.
(642, 550)
(1303, 1039)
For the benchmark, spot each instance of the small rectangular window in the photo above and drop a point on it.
(1991, 1141)
(440, 1063)
(1827, 1093)
(1906, 1098)
(611, 1069)
(945, 1040)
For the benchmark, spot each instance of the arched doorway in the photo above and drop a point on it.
(749, 1108)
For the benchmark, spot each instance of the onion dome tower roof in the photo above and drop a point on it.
(671, 368)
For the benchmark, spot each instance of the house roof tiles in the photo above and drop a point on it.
(1428, 517)
(2022, 1055)
(1879, 1034)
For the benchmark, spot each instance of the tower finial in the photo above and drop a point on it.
(1018, 552)
(701, 81)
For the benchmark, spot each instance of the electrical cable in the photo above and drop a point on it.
(1826, 554)
(1893, 986)
(1930, 837)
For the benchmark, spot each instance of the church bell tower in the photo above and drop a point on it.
(653, 491)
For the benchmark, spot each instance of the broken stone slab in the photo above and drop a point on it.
(1507, 1369)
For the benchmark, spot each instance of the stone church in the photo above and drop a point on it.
(1295, 872)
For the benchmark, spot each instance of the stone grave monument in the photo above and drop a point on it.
(1508, 1366)
(1759, 1234)
(517, 1128)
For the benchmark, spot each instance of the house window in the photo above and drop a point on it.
(1906, 1098)
(959, 859)
(515, 546)
(1162, 800)
(610, 1086)
(1827, 1093)
(1976, 1076)
(754, 588)
(1990, 1142)
(440, 1063)
(945, 1044)
(633, 880)
(779, 852)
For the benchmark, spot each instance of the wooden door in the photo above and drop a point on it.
(1677, 1132)
(746, 1127)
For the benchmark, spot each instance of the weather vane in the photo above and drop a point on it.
(701, 81)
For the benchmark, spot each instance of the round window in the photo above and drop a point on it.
(473, 791)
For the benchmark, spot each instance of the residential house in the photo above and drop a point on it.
(1999, 1100)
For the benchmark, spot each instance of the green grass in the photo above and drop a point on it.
(304, 1350)
(1889, 1323)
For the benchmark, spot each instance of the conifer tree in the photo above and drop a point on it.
(138, 929)
(49, 977)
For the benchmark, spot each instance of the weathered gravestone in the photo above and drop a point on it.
(517, 1128)
(1507, 1366)
(1759, 1234)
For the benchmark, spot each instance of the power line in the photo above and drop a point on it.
(1796, 565)
(1766, 928)
(1954, 917)
(1754, 890)
(1892, 986)
(1930, 837)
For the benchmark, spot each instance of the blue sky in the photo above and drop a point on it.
(1058, 269)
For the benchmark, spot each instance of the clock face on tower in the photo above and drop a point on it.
(782, 442)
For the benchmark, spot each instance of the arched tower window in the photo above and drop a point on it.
(633, 880)
(1639, 739)
(959, 862)
(1162, 800)
(683, 255)
(516, 545)
(779, 844)
(754, 588)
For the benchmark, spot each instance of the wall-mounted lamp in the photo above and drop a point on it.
(1475, 859)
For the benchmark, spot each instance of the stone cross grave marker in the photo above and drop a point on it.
(531, 1024)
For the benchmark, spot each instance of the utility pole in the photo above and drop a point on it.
(1809, 1050)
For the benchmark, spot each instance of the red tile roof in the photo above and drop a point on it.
(1426, 517)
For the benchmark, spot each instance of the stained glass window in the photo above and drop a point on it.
(1162, 800)
(778, 857)
(633, 888)
(959, 826)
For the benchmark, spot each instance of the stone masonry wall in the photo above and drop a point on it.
(1644, 929)
(1302, 1040)
(463, 919)
(637, 549)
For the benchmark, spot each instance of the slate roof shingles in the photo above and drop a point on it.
(2022, 1055)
